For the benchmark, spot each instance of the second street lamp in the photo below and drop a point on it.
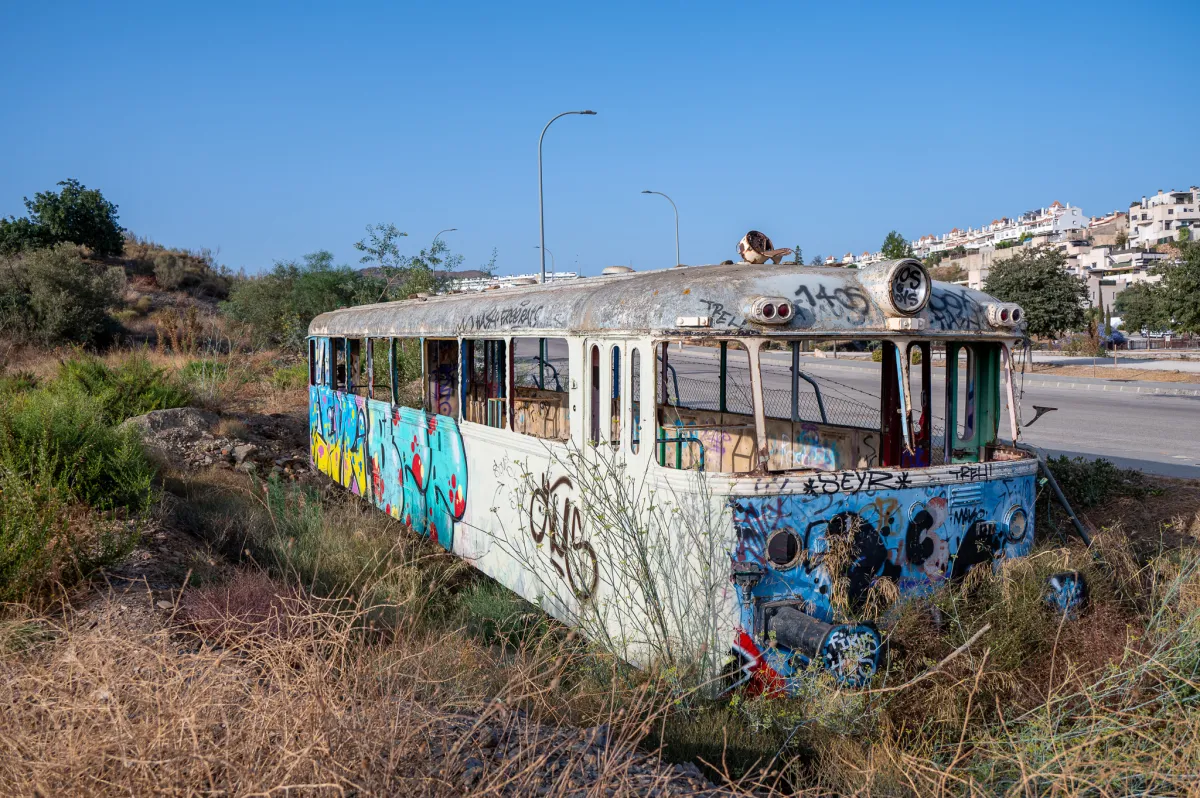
(659, 193)
(541, 207)
(553, 265)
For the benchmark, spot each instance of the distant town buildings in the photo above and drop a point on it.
(1157, 220)
(481, 281)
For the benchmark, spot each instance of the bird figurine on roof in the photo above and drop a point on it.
(756, 248)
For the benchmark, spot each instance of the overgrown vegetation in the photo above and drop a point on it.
(53, 296)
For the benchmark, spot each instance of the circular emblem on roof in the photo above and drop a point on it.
(908, 286)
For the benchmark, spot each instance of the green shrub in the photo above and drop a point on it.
(54, 296)
(129, 389)
(1087, 483)
(195, 273)
(290, 378)
(17, 382)
(71, 488)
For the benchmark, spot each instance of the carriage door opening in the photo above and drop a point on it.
(635, 396)
(972, 400)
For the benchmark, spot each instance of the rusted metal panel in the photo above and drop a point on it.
(825, 302)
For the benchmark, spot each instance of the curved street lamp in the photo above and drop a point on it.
(553, 265)
(659, 193)
(541, 207)
(447, 230)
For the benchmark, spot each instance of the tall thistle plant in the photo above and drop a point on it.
(642, 571)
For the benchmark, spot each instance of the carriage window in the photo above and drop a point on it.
(594, 394)
(487, 371)
(312, 361)
(635, 397)
(406, 360)
(541, 384)
(338, 353)
(380, 358)
(705, 407)
(615, 405)
(441, 377)
(823, 412)
(925, 451)
(964, 366)
(357, 360)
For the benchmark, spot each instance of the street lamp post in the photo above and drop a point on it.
(659, 193)
(553, 264)
(541, 207)
(447, 230)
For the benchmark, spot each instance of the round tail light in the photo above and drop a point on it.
(785, 311)
(768, 311)
(1016, 315)
(1004, 314)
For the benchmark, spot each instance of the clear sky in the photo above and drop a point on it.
(265, 131)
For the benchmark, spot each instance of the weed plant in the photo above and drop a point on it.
(131, 387)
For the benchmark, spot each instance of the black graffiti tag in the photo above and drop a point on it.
(855, 482)
(954, 310)
(572, 557)
(850, 303)
(524, 315)
(720, 316)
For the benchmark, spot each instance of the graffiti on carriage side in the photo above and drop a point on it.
(956, 310)
(554, 517)
(411, 464)
(855, 482)
(973, 472)
(526, 314)
(337, 433)
(848, 302)
(721, 317)
(911, 535)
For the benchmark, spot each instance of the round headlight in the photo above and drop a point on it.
(783, 548)
(909, 289)
(1018, 525)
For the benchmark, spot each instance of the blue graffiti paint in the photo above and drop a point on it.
(409, 463)
(917, 536)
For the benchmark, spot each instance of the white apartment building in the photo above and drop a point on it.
(1157, 220)
(1055, 220)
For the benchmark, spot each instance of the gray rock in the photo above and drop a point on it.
(189, 418)
(244, 451)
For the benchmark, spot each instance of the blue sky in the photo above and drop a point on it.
(265, 131)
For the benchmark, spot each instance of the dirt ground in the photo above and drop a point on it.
(1110, 372)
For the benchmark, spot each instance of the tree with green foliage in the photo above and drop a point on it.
(798, 255)
(54, 296)
(895, 247)
(76, 214)
(1180, 289)
(1054, 301)
(279, 305)
(1184, 235)
(1141, 307)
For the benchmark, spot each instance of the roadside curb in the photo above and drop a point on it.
(1105, 388)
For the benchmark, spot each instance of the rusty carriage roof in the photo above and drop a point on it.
(827, 302)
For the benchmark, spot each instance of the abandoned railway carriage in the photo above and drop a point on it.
(843, 424)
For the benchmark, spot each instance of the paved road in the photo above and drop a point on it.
(1150, 426)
